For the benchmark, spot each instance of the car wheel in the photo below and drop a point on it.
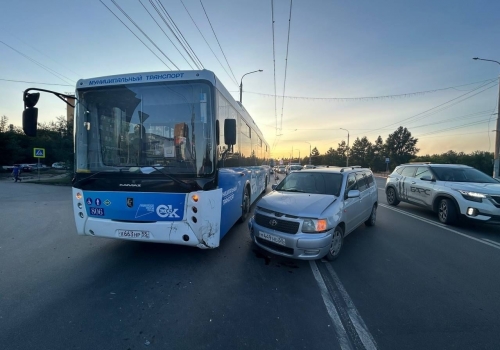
(245, 206)
(392, 199)
(373, 217)
(336, 245)
(447, 211)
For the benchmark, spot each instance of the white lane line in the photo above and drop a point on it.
(438, 225)
(493, 242)
(330, 308)
(357, 321)
(381, 189)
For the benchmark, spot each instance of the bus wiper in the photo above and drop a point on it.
(173, 178)
(85, 179)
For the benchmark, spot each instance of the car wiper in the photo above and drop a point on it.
(292, 190)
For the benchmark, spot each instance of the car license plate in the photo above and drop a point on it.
(133, 234)
(271, 238)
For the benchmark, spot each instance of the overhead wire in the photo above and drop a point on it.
(131, 31)
(189, 64)
(34, 48)
(274, 69)
(218, 41)
(286, 63)
(370, 98)
(33, 82)
(210, 47)
(440, 105)
(182, 36)
(143, 33)
(48, 69)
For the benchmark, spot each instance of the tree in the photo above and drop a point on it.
(401, 146)
(377, 162)
(342, 153)
(361, 152)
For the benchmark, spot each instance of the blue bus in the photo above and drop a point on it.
(164, 157)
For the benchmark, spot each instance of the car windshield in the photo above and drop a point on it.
(309, 182)
(462, 175)
(295, 167)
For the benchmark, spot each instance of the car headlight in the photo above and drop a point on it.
(472, 196)
(314, 225)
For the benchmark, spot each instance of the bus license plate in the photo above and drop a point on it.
(271, 238)
(133, 234)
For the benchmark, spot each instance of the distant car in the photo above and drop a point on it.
(308, 214)
(450, 190)
(59, 165)
(281, 169)
(309, 166)
(293, 168)
(24, 167)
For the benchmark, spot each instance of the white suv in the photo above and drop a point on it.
(450, 190)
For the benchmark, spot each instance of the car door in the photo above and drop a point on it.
(352, 212)
(405, 183)
(421, 190)
(364, 197)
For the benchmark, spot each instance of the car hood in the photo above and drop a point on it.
(297, 204)
(486, 188)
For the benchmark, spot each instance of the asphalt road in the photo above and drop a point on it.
(407, 283)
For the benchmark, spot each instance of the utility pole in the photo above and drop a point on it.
(241, 83)
(496, 160)
(347, 151)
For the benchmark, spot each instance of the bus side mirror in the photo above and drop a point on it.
(230, 132)
(30, 114)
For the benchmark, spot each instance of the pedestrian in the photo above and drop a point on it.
(16, 172)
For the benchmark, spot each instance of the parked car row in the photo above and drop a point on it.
(34, 166)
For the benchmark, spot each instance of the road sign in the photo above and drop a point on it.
(39, 152)
(387, 160)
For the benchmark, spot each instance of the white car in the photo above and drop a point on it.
(59, 165)
(451, 190)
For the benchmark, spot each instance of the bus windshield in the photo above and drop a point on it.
(167, 126)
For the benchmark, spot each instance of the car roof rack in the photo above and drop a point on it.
(350, 167)
(416, 163)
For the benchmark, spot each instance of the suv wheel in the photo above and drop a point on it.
(447, 211)
(392, 199)
(336, 245)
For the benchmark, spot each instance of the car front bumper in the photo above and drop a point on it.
(303, 246)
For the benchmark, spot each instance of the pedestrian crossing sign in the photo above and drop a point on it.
(39, 152)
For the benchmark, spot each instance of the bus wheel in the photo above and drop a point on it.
(265, 187)
(245, 206)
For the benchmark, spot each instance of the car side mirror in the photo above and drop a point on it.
(427, 178)
(353, 194)
(273, 187)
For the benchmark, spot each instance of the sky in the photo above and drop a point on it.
(339, 52)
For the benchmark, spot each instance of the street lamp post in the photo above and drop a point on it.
(241, 83)
(309, 151)
(496, 164)
(347, 153)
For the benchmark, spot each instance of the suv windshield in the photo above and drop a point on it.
(462, 175)
(160, 125)
(308, 182)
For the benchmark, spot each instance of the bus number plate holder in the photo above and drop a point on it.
(133, 234)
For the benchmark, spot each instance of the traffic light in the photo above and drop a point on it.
(30, 113)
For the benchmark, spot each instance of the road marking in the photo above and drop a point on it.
(330, 308)
(381, 189)
(361, 328)
(493, 242)
(439, 225)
